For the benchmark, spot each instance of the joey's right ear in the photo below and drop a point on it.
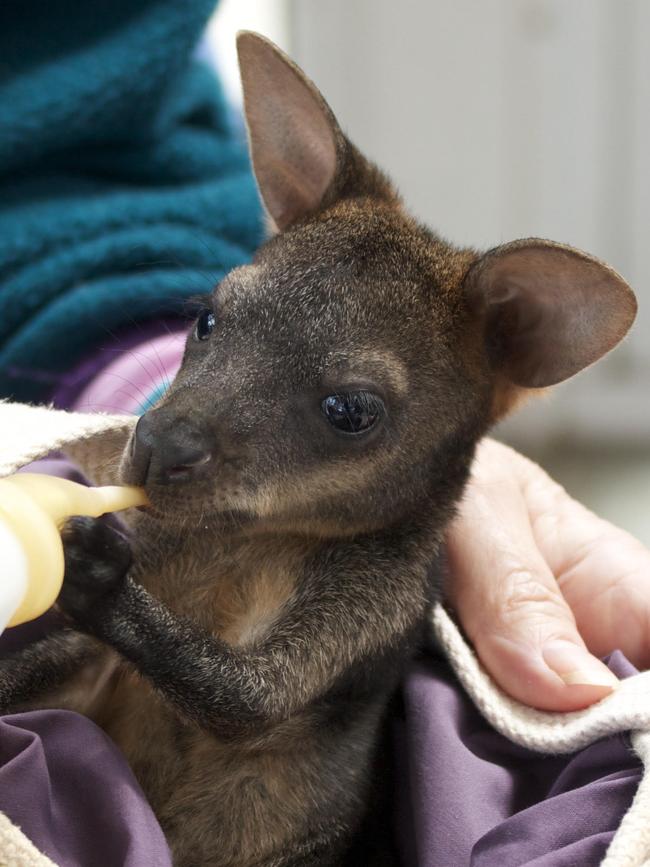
(547, 310)
(296, 144)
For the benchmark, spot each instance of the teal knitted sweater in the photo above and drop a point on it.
(124, 189)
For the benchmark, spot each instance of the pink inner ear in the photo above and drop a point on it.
(549, 310)
(291, 130)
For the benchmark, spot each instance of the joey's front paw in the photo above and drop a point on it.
(97, 559)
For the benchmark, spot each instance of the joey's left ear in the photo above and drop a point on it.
(301, 159)
(548, 310)
(295, 140)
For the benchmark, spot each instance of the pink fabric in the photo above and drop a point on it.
(135, 377)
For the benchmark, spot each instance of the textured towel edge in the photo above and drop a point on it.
(94, 440)
(17, 850)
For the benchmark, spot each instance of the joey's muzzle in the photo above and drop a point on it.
(167, 451)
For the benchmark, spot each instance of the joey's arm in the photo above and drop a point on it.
(336, 619)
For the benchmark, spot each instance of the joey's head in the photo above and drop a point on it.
(340, 382)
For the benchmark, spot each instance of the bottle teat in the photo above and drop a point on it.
(33, 508)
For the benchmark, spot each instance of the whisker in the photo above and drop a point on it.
(163, 369)
(157, 363)
(126, 381)
(201, 239)
(209, 278)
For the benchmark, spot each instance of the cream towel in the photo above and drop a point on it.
(16, 850)
(96, 441)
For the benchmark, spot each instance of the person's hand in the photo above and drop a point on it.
(542, 586)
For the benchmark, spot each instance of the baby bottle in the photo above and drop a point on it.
(33, 509)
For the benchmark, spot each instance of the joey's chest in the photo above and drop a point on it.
(231, 587)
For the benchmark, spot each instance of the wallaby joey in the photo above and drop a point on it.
(241, 646)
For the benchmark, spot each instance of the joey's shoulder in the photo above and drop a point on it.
(400, 551)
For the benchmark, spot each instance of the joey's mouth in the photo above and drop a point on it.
(186, 484)
(193, 516)
(187, 500)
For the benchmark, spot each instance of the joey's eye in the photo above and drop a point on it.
(205, 325)
(353, 413)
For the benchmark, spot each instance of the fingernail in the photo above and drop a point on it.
(576, 666)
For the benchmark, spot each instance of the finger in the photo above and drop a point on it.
(602, 571)
(510, 606)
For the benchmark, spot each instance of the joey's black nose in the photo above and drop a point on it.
(165, 453)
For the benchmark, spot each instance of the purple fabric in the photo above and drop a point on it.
(72, 793)
(467, 795)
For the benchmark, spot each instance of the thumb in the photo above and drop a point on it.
(512, 609)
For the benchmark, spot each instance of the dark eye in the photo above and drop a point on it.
(205, 325)
(354, 412)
